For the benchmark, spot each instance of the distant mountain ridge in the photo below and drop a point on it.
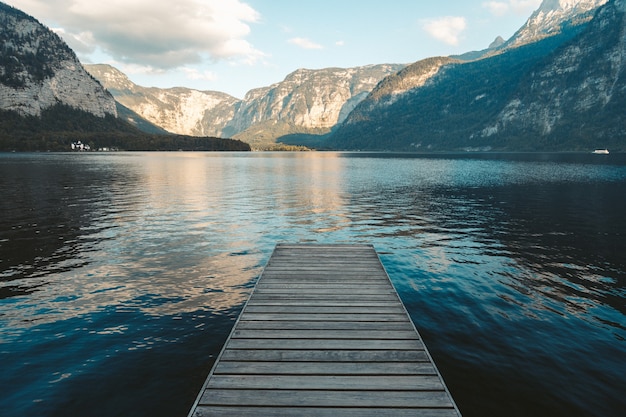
(48, 100)
(563, 92)
(579, 92)
(178, 110)
(557, 84)
(551, 18)
(316, 102)
(306, 101)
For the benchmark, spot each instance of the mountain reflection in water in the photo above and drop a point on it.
(121, 275)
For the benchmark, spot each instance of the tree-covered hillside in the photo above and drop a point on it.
(61, 125)
(562, 93)
(445, 113)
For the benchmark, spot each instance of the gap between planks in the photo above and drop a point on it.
(324, 333)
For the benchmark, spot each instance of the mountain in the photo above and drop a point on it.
(306, 101)
(38, 70)
(578, 95)
(497, 42)
(552, 18)
(177, 110)
(562, 92)
(48, 100)
(390, 89)
(137, 121)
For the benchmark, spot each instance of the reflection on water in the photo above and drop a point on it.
(121, 274)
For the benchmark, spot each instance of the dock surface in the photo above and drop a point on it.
(324, 333)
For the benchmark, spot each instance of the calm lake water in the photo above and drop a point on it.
(122, 274)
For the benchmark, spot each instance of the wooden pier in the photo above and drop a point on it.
(324, 333)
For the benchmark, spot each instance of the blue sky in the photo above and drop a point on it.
(237, 45)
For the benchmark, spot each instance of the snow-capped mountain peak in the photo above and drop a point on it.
(551, 16)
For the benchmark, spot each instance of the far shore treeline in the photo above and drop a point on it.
(60, 126)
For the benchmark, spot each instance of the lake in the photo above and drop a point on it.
(122, 274)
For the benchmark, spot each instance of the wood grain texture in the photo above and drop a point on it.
(324, 333)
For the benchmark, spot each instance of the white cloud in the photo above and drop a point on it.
(497, 8)
(161, 34)
(195, 74)
(305, 43)
(81, 43)
(518, 7)
(446, 29)
(340, 43)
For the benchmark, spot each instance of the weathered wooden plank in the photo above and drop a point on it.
(351, 247)
(324, 265)
(324, 333)
(326, 310)
(321, 272)
(360, 355)
(321, 303)
(326, 398)
(288, 273)
(323, 291)
(320, 325)
(324, 368)
(321, 317)
(349, 278)
(373, 344)
(341, 286)
(328, 382)
(226, 411)
(327, 297)
(329, 256)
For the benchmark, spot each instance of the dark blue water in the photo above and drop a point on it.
(122, 274)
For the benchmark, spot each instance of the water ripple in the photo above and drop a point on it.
(126, 271)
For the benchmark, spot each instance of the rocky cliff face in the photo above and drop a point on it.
(38, 70)
(547, 21)
(390, 89)
(563, 92)
(583, 85)
(552, 17)
(177, 110)
(307, 101)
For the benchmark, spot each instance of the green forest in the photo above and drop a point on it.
(60, 126)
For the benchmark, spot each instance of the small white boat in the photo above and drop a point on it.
(601, 151)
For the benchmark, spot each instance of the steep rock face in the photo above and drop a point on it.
(177, 110)
(551, 18)
(38, 70)
(582, 86)
(392, 87)
(307, 100)
(563, 92)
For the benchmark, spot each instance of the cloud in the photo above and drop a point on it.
(340, 43)
(446, 29)
(82, 43)
(195, 74)
(518, 7)
(305, 43)
(161, 34)
(497, 8)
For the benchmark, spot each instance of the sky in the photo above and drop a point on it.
(234, 46)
